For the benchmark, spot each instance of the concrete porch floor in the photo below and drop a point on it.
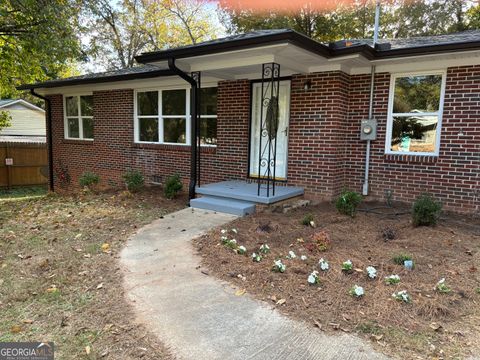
(242, 190)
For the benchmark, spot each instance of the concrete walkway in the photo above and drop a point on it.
(199, 317)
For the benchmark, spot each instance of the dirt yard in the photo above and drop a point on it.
(432, 325)
(60, 278)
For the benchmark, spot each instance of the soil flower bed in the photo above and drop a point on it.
(59, 276)
(401, 311)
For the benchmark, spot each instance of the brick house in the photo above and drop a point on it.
(273, 114)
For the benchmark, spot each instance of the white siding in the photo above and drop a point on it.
(25, 121)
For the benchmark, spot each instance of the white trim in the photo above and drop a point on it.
(439, 113)
(23, 102)
(79, 117)
(161, 117)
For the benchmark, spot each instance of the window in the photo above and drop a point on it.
(79, 117)
(208, 116)
(415, 114)
(163, 116)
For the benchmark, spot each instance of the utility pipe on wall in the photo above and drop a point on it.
(370, 104)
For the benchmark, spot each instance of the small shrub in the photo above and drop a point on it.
(134, 180)
(348, 202)
(322, 240)
(442, 287)
(426, 210)
(388, 233)
(307, 219)
(392, 279)
(89, 179)
(400, 258)
(173, 185)
(347, 266)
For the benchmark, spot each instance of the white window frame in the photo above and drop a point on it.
(210, 116)
(78, 117)
(160, 116)
(439, 113)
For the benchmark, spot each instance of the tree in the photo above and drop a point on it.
(5, 120)
(399, 18)
(120, 31)
(473, 17)
(38, 41)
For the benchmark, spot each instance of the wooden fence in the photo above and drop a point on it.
(23, 164)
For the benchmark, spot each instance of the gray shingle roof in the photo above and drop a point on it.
(4, 102)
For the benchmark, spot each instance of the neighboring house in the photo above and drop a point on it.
(28, 121)
(281, 109)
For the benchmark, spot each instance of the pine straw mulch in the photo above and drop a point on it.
(58, 284)
(434, 325)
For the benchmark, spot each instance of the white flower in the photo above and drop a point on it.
(323, 264)
(264, 249)
(242, 249)
(303, 257)
(441, 281)
(357, 291)
(442, 286)
(402, 296)
(256, 257)
(235, 231)
(233, 242)
(224, 239)
(223, 231)
(392, 279)
(347, 265)
(291, 255)
(279, 266)
(372, 272)
(313, 278)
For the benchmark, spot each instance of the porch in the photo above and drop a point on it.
(240, 197)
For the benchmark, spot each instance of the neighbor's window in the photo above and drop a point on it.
(162, 116)
(79, 117)
(415, 114)
(208, 116)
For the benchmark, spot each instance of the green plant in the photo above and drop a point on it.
(477, 290)
(134, 180)
(348, 202)
(426, 210)
(88, 179)
(307, 219)
(322, 240)
(172, 186)
(399, 259)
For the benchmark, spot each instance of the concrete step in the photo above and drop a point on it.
(224, 205)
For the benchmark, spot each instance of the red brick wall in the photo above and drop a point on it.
(325, 153)
(453, 176)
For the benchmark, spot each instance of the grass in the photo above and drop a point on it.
(400, 259)
(23, 193)
(55, 242)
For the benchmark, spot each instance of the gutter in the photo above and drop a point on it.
(193, 122)
(48, 115)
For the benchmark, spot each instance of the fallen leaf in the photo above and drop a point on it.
(88, 256)
(281, 301)
(317, 324)
(240, 292)
(334, 325)
(105, 247)
(358, 270)
(16, 329)
(78, 236)
(377, 337)
(27, 321)
(99, 286)
(435, 326)
(52, 289)
(87, 350)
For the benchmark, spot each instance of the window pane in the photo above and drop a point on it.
(208, 131)
(173, 102)
(148, 129)
(73, 128)
(208, 101)
(414, 134)
(86, 105)
(174, 130)
(147, 103)
(417, 94)
(71, 104)
(87, 128)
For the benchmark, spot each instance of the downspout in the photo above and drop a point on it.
(49, 137)
(193, 122)
(370, 104)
